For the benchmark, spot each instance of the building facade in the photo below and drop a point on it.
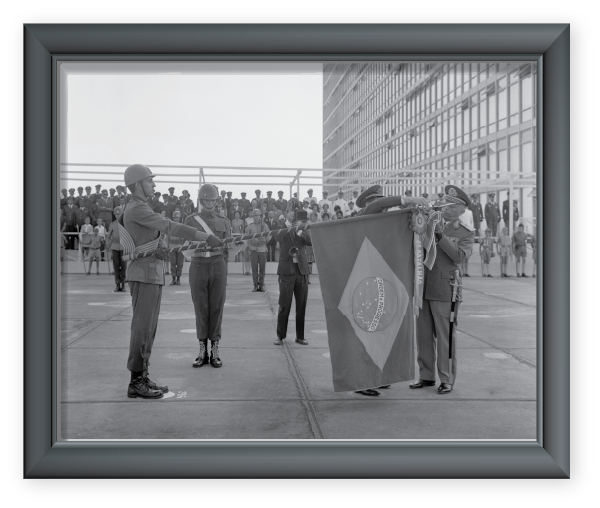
(420, 126)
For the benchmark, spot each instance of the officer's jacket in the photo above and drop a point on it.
(71, 215)
(282, 205)
(286, 242)
(144, 226)
(104, 212)
(219, 225)
(245, 204)
(477, 212)
(454, 246)
(492, 213)
(81, 214)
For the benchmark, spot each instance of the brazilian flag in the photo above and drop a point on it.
(366, 270)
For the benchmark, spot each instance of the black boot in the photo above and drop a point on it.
(215, 361)
(138, 388)
(178, 281)
(173, 281)
(255, 288)
(261, 288)
(117, 288)
(152, 385)
(202, 357)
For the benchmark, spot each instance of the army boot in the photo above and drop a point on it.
(215, 361)
(173, 281)
(152, 385)
(202, 357)
(178, 280)
(138, 388)
(255, 288)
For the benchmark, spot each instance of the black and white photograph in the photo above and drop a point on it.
(298, 250)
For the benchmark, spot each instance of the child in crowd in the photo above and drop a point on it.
(102, 235)
(519, 248)
(325, 211)
(237, 228)
(85, 236)
(94, 249)
(486, 251)
(504, 249)
(325, 216)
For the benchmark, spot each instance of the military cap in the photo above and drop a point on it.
(243, 193)
(473, 195)
(280, 192)
(229, 193)
(455, 194)
(98, 185)
(440, 194)
(374, 191)
(112, 190)
(257, 190)
(340, 191)
(165, 195)
(88, 187)
(295, 194)
(408, 192)
(184, 191)
(325, 191)
(119, 187)
(425, 195)
(171, 188)
(355, 191)
(269, 192)
(255, 212)
(63, 190)
(491, 194)
(104, 191)
(157, 194)
(72, 190)
(79, 188)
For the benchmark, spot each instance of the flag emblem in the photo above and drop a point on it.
(375, 302)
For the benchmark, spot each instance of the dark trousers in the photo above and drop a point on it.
(145, 299)
(493, 227)
(176, 259)
(433, 341)
(70, 238)
(292, 285)
(120, 266)
(271, 246)
(258, 261)
(208, 281)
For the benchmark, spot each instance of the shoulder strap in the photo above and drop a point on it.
(203, 224)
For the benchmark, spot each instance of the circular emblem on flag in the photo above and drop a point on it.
(417, 221)
(452, 192)
(374, 304)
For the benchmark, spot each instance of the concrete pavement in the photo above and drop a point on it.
(269, 392)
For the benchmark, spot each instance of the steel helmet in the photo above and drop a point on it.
(208, 191)
(136, 173)
(255, 213)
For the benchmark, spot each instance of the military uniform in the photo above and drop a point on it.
(208, 280)
(453, 245)
(70, 221)
(492, 216)
(245, 204)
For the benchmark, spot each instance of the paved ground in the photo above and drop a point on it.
(269, 392)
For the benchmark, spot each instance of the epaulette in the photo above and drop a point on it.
(467, 227)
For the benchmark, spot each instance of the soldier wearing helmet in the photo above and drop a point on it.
(208, 276)
(258, 250)
(145, 275)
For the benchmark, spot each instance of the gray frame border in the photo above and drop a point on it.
(548, 457)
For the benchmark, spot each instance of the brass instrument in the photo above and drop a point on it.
(293, 251)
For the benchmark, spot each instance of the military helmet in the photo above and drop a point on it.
(208, 191)
(255, 212)
(136, 173)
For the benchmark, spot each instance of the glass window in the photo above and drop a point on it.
(526, 97)
(492, 113)
(514, 104)
(527, 156)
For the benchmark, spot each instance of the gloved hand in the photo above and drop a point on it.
(213, 241)
(161, 253)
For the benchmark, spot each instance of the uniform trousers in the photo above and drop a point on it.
(494, 227)
(145, 299)
(208, 281)
(120, 266)
(70, 238)
(292, 285)
(433, 332)
(271, 246)
(258, 261)
(176, 259)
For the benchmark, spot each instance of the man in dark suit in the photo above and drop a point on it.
(281, 203)
(245, 204)
(293, 273)
(235, 207)
(63, 198)
(272, 224)
(477, 212)
(270, 201)
(70, 211)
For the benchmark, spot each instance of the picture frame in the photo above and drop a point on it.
(46, 457)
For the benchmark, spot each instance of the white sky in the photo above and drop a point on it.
(253, 115)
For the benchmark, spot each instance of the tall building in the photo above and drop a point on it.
(420, 126)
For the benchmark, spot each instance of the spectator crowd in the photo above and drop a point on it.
(87, 215)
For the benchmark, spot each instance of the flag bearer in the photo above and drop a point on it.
(436, 322)
(145, 276)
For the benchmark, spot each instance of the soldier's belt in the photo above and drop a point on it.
(208, 253)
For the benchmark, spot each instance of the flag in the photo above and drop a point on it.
(129, 248)
(366, 270)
